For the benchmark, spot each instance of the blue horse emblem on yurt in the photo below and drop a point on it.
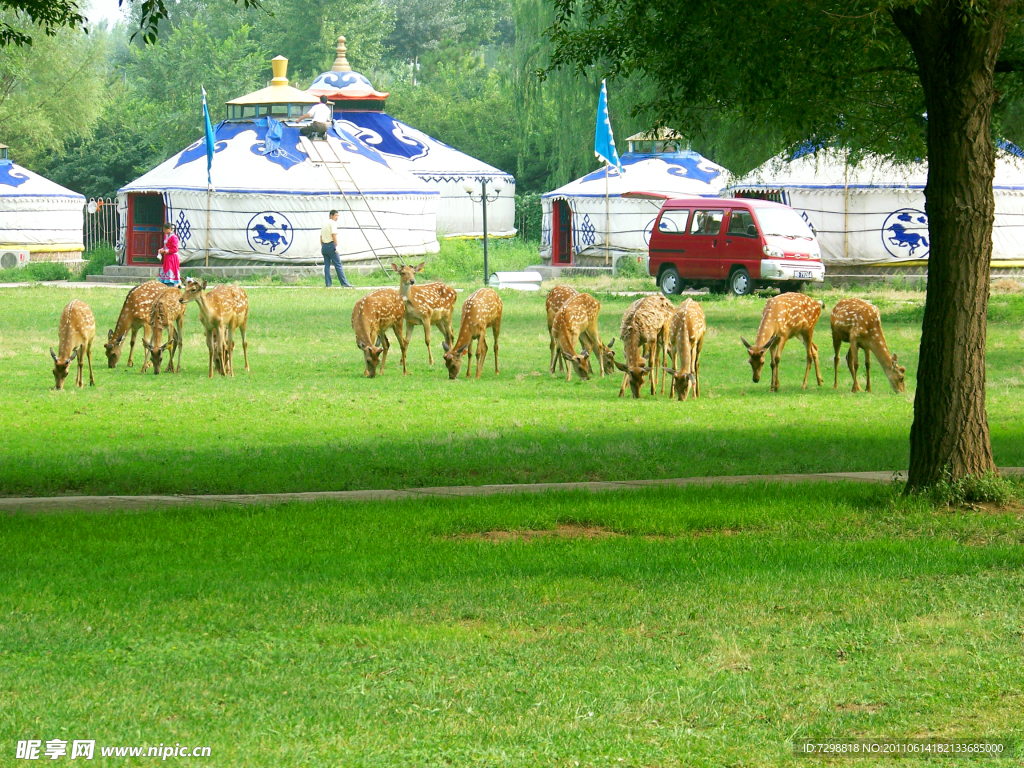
(270, 232)
(905, 234)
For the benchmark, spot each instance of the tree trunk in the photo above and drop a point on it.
(956, 60)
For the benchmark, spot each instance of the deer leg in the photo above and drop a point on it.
(386, 345)
(245, 344)
(817, 367)
(88, 354)
(210, 344)
(147, 335)
(481, 352)
(131, 347)
(403, 343)
(853, 362)
(180, 341)
(776, 353)
(837, 343)
(867, 367)
(551, 349)
(426, 338)
(495, 330)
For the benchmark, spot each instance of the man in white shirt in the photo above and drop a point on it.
(321, 117)
(329, 250)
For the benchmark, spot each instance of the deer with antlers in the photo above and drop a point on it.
(577, 321)
(556, 299)
(426, 305)
(480, 311)
(167, 313)
(221, 311)
(686, 341)
(135, 314)
(859, 323)
(785, 316)
(372, 317)
(76, 333)
(644, 332)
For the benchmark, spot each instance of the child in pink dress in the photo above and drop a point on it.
(169, 274)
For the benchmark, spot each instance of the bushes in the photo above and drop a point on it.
(99, 257)
(463, 260)
(37, 271)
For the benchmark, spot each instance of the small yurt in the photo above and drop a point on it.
(271, 192)
(871, 213)
(39, 220)
(606, 213)
(359, 108)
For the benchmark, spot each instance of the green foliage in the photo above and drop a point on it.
(463, 259)
(98, 257)
(630, 266)
(973, 489)
(529, 216)
(36, 271)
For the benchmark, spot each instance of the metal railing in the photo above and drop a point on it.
(101, 223)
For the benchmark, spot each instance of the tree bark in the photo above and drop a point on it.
(956, 58)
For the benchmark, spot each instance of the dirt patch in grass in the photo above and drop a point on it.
(563, 531)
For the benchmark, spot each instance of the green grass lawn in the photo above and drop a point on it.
(306, 419)
(717, 625)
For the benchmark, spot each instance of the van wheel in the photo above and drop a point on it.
(740, 283)
(669, 281)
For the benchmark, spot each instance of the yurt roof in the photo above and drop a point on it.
(341, 83)
(826, 169)
(267, 157)
(278, 92)
(679, 174)
(414, 151)
(16, 181)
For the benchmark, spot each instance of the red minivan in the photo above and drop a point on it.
(739, 243)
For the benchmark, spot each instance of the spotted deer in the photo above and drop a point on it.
(577, 321)
(167, 313)
(480, 311)
(785, 316)
(426, 305)
(557, 297)
(644, 333)
(221, 311)
(859, 323)
(135, 314)
(686, 341)
(76, 333)
(372, 317)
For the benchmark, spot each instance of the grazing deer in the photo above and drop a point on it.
(168, 312)
(557, 297)
(221, 311)
(686, 341)
(76, 333)
(135, 313)
(860, 324)
(480, 311)
(426, 305)
(575, 321)
(372, 317)
(785, 316)
(644, 333)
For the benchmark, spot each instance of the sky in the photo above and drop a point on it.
(105, 11)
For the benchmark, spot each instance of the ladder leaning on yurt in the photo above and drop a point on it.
(314, 152)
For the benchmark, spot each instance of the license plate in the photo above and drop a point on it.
(802, 275)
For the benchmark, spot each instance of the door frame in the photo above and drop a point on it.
(132, 257)
(556, 234)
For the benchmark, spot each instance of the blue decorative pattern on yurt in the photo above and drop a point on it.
(683, 164)
(339, 80)
(385, 134)
(9, 176)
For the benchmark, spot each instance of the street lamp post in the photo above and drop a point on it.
(477, 191)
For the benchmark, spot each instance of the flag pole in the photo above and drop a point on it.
(207, 225)
(607, 214)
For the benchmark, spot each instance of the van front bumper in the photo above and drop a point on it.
(791, 269)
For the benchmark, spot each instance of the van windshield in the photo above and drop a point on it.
(783, 222)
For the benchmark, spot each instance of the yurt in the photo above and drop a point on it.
(604, 214)
(871, 213)
(359, 109)
(271, 190)
(39, 220)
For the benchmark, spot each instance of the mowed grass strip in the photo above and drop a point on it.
(306, 419)
(714, 627)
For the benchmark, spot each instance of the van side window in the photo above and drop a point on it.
(706, 222)
(673, 221)
(741, 224)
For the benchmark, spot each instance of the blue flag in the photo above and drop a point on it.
(209, 138)
(604, 142)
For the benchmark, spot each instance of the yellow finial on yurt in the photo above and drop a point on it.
(279, 64)
(340, 62)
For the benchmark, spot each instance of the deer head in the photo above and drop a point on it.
(407, 274)
(580, 364)
(453, 359)
(684, 382)
(757, 355)
(609, 358)
(60, 370)
(191, 290)
(896, 376)
(371, 355)
(636, 375)
(113, 348)
(156, 355)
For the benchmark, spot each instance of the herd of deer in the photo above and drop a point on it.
(156, 308)
(657, 336)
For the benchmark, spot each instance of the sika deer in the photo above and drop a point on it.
(557, 297)
(76, 333)
(860, 324)
(135, 313)
(686, 340)
(426, 305)
(644, 332)
(168, 312)
(785, 316)
(221, 310)
(372, 317)
(480, 311)
(575, 321)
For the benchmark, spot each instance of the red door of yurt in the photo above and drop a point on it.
(561, 233)
(144, 234)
